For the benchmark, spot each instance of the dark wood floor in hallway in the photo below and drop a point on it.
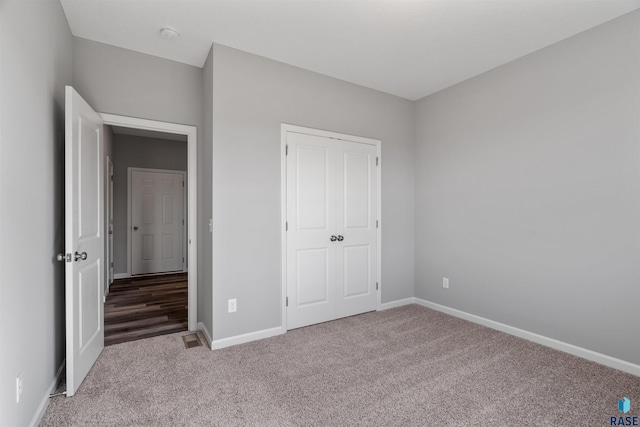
(142, 307)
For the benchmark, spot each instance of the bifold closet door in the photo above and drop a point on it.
(331, 236)
(311, 267)
(356, 208)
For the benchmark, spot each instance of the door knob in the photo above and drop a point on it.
(81, 256)
(340, 238)
(333, 238)
(135, 228)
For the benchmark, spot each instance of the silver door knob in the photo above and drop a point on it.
(81, 256)
(333, 238)
(340, 238)
(135, 228)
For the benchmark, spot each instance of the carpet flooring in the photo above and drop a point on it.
(408, 366)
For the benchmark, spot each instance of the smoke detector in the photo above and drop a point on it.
(169, 33)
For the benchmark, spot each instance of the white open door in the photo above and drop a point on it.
(84, 238)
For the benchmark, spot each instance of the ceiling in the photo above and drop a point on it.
(408, 48)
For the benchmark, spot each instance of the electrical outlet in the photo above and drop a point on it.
(18, 387)
(233, 305)
(445, 282)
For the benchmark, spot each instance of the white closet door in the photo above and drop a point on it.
(311, 219)
(332, 236)
(356, 208)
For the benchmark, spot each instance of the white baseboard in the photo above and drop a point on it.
(121, 276)
(397, 303)
(207, 335)
(244, 338)
(44, 404)
(584, 353)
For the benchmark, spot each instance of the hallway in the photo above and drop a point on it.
(143, 307)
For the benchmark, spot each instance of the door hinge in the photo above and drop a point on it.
(286, 226)
(183, 260)
(183, 184)
(111, 265)
(286, 150)
(377, 159)
(64, 257)
(287, 301)
(183, 222)
(377, 223)
(104, 299)
(377, 286)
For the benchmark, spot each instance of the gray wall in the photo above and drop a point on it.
(120, 81)
(252, 96)
(136, 151)
(36, 55)
(528, 192)
(205, 301)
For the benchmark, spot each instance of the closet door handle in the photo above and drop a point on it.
(340, 238)
(333, 238)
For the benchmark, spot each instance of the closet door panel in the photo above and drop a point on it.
(356, 203)
(311, 219)
(356, 191)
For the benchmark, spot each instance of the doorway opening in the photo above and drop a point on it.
(179, 281)
(150, 294)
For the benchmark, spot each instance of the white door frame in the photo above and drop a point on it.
(284, 128)
(109, 221)
(185, 267)
(192, 198)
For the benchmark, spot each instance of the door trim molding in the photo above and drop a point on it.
(130, 169)
(108, 219)
(284, 128)
(191, 132)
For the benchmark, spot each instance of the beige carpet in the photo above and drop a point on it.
(405, 366)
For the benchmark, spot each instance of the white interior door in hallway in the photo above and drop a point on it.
(109, 253)
(332, 236)
(157, 221)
